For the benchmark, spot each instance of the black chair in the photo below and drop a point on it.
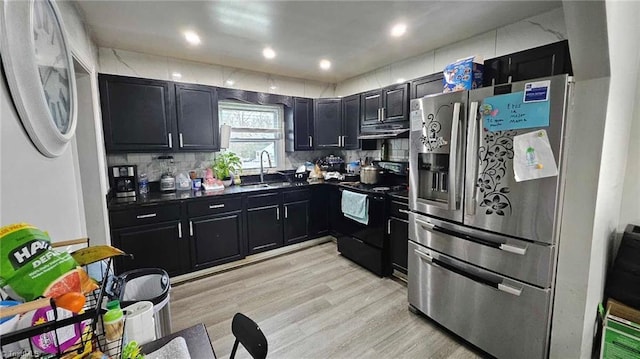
(249, 334)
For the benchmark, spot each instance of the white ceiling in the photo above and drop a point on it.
(354, 35)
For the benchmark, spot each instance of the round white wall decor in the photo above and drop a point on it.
(39, 69)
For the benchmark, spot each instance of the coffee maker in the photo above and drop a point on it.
(124, 180)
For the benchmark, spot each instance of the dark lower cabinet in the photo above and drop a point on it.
(319, 211)
(264, 228)
(159, 245)
(398, 230)
(216, 239)
(296, 222)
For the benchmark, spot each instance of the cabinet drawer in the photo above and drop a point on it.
(214, 206)
(263, 200)
(296, 196)
(144, 215)
(365, 255)
(398, 210)
(479, 305)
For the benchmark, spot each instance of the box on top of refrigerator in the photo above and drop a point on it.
(464, 74)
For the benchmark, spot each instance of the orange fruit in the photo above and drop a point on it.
(76, 280)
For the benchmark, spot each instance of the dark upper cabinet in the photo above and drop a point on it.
(371, 105)
(395, 103)
(137, 114)
(197, 117)
(328, 123)
(547, 60)
(216, 239)
(159, 245)
(390, 104)
(351, 122)
(427, 85)
(302, 124)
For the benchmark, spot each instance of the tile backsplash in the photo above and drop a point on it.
(184, 162)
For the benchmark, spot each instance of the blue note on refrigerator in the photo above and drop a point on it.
(510, 112)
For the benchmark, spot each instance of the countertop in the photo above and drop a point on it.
(158, 198)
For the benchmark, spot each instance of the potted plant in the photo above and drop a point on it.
(224, 165)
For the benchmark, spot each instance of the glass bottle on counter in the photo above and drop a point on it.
(143, 184)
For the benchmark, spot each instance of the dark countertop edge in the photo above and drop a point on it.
(158, 200)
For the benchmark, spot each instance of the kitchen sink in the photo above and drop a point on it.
(266, 185)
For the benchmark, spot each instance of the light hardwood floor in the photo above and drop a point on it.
(313, 304)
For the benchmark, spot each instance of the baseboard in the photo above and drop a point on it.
(255, 258)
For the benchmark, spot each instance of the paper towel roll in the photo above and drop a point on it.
(140, 325)
(225, 134)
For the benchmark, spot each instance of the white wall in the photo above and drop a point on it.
(128, 63)
(35, 189)
(630, 209)
(605, 100)
(535, 31)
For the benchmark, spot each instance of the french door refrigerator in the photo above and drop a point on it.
(482, 249)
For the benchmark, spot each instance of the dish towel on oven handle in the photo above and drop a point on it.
(355, 206)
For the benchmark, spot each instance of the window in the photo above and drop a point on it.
(254, 128)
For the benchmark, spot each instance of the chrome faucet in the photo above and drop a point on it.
(261, 165)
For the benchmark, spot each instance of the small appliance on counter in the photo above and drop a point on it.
(332, 164)
(167, 180)
(124, 180)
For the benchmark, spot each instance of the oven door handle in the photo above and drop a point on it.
(499, 285)
(453, 159)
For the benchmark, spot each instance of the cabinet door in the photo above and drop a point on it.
(351, 122)
(264, 228)
(160, 245)
(427, 85)
(328, 123)
(396, 103)
(197, 117)
(370, 107)
(303, 123)
(548, 60)
(398, 230)
(137, 114)
(296, 222)
(319, 211)
(216, 239)
(496, 71)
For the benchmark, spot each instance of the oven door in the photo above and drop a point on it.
(436, 155)
(504, 317)
(372, 233)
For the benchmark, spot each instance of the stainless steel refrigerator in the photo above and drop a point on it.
(483, 246)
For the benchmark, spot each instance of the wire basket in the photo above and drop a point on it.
(61, 326)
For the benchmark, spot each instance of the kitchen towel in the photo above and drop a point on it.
(355, 206)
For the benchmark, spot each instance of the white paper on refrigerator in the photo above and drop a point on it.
(533, 157)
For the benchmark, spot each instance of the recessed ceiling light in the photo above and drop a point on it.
(268, 53)
(229, 82)
(398, 30)
(176, 75)
(325, 64)
(400, 80)
(273, 87)
(192, 37)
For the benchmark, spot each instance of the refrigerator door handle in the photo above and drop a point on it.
(434, 261)
(513, 249)
(425, 225)
(509, 289)
(453, 159)
(472, 160)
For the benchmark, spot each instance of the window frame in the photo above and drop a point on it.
(279, 149)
